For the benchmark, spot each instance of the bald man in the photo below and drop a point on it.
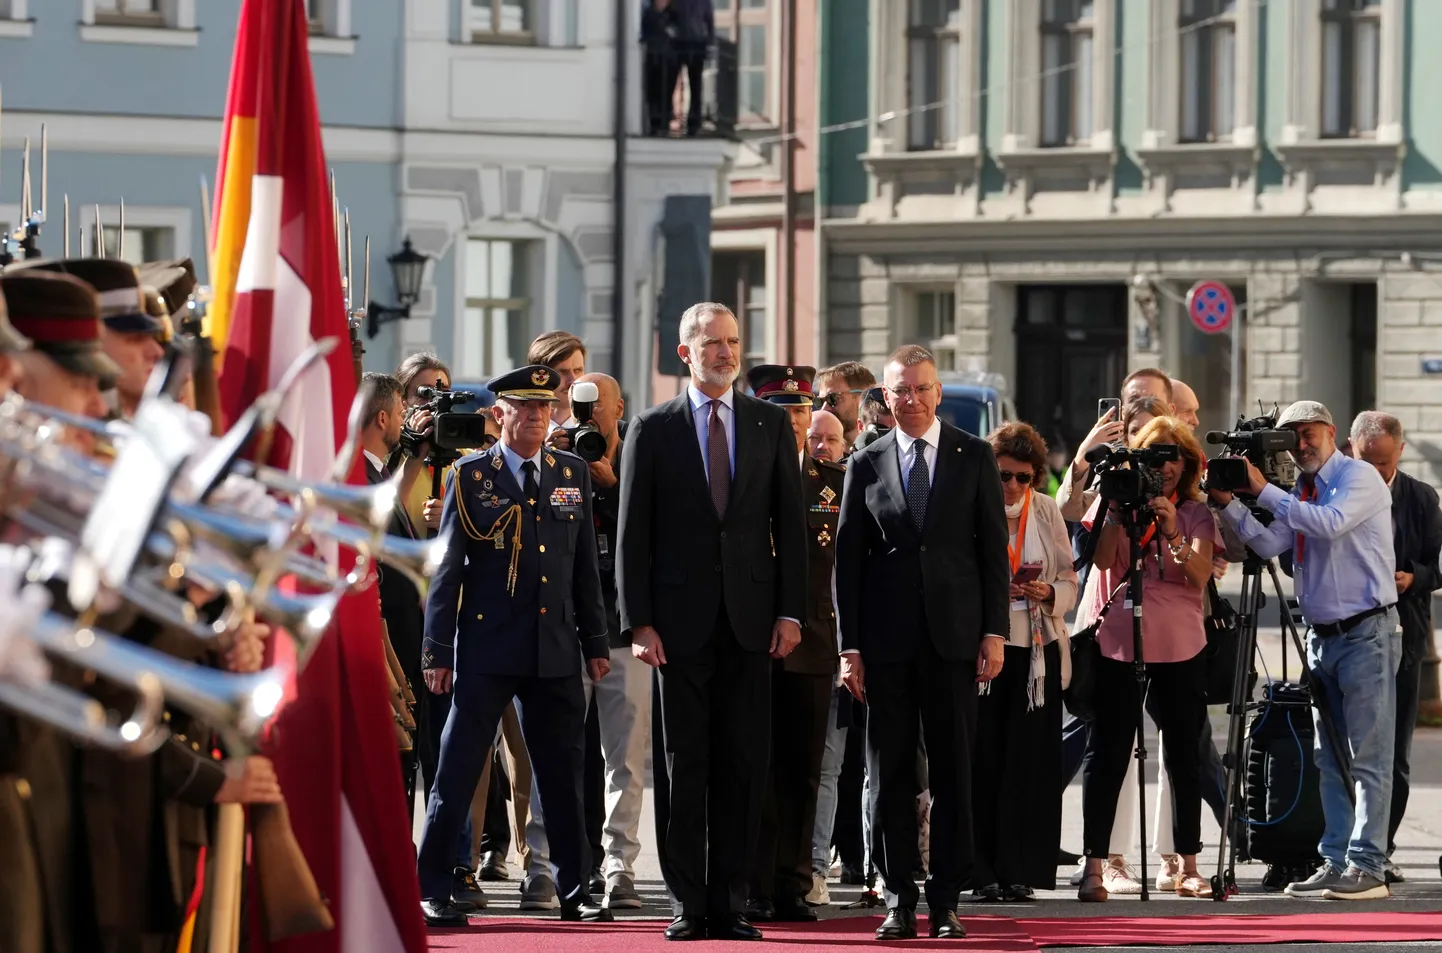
(1185, 404)
(826, 440)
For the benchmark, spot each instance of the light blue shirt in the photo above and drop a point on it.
(1348, 560)
(514, 461)
(701, 410)
(904, 446)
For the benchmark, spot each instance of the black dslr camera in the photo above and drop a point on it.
(587, 442)
(1130, 478)
(449, 433)
(1260, 441)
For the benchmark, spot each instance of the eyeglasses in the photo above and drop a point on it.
(919, 392)
(830, 400)
(1022, 479)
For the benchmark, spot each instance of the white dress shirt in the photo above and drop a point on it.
(376, 461)
(701, 410)
(514, 461)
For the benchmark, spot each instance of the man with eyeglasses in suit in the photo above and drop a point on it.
(839, 389)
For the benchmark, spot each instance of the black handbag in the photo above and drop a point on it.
(1221, 650)
(1080, 694)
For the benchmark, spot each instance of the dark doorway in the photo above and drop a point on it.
(1363, 349)
(1071, 349)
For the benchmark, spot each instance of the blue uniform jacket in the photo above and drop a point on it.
(518, 591)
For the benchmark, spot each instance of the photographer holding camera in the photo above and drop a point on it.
(1179, 542)
(1338, 523)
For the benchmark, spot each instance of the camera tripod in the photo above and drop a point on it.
(1224, 883)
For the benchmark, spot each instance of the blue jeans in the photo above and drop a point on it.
(1358, 672)
(826, 794)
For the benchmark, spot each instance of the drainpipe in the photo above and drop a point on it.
(788, 176)
(618, 198)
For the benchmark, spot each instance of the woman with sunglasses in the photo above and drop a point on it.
(1016, 787)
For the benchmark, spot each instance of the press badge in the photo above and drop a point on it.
(1019, 606)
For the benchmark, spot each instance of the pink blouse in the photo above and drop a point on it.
(1172, 623)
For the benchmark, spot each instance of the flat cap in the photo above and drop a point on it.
(532, 382)
(787, 384)
(1305, 412)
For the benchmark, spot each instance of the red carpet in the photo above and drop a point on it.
(1000, 934)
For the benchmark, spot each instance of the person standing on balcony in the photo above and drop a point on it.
(658, 34)
(695, 22)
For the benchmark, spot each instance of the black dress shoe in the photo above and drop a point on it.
(731, 926)
(442, 913)
(760, 909)
(597, 884)
(991, 893)
(686, 928)
(900, 924)
(792, 911)
(1018, 893)
(946, 926)
(1277, 877)
(585, 911)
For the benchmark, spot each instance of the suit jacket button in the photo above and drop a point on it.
(543, 578)
(923, 547)
(479, 617)
(718, 568)
(723, 534)
(541, 548)
(543, 610)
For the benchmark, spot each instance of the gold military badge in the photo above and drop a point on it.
(566, 471)
(791, 386)
(823, 537)
(827, 495)
(540, 377)
(476, 475)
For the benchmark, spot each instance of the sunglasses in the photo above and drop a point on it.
(1022, 479)
(830, 401)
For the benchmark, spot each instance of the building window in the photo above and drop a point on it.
(129, 12)
(497, 329)
(14, 9)
(315, 17)
(934, 73)
(1209, 61)
(738, 280)
(1066, 84)
(934, 318)
(1351, 48)
(504, 21)
(748, 24)
(142, 243)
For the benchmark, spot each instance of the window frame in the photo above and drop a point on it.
(524, 264)
(175, 219)
(939, 37)
(495, 36)
(172, 23)
(752, 319)
(1348, 15)
(731, 24)
(16, 10)
(935, 338)
(1208, 26)
(1071, 29)
(120, 16)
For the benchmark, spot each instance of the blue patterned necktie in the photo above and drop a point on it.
(918, 485)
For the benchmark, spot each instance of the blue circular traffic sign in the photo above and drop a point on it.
(1211, 306)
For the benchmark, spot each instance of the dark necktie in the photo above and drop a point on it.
(532, 488)
(918, 485)
(718, 460)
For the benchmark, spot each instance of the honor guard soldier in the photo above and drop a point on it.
(515, 611)
(801, 683)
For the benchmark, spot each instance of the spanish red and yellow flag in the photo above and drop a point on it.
(278, 290)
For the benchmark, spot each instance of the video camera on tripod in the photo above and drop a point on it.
(1258, 440)
(1128, 476)
(449, 433)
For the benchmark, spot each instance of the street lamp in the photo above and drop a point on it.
(408, 266)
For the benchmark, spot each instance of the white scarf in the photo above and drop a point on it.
(1033, 552)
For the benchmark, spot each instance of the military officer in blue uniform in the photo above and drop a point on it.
(515, 611)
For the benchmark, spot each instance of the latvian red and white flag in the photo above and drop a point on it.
(278, 288)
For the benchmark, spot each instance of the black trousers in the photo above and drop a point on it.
(553, 715)
(594, 780)
(1409, 686)
(848, 834)
(1177, 701)
(933, 700)
(431, 714)
(715, 714)
(800, 705)
(692, 61)
(1015, 788)
(496, 835)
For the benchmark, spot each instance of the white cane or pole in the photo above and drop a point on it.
(229, 862)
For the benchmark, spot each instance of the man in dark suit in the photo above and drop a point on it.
(921, 583)
(712, 585)
(519, 590)
(1416, 537)
(801, 683)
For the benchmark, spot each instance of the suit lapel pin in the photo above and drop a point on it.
(487, 484)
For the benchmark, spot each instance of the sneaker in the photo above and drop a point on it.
(539, 893)
(1076, 876)
(621, 893)
(1357, 885)
(1169, 877)
(493, 866)
(820, 894)
(1119, 877)
(465, 892)
(1325, 878)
